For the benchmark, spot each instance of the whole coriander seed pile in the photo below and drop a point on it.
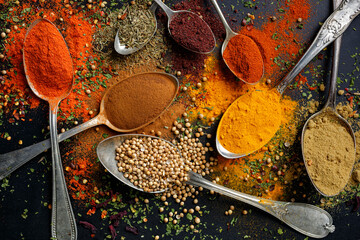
(151, 164)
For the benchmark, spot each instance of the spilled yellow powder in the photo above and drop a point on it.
(220, 89)
(252, 120)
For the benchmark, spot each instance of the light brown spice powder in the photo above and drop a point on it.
(329, 153)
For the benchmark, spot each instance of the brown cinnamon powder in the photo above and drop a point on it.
(329, 153)
(138, 100)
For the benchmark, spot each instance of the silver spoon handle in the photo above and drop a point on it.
(63, 225)
(11, 161)
(166, 9)
(331, 101)
(334, 26)
(307, 219)
(229, 32)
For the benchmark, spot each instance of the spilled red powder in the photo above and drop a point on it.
(277, 43)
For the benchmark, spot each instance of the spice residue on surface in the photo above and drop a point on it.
(139, 99)
(243, 57)
(329, 153)
(190, 31)
(48, 65)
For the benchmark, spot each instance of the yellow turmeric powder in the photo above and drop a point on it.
(220, 89)
(251, 121)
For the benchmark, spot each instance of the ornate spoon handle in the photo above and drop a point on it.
(305, 218)
(334, 26)
(63, 226)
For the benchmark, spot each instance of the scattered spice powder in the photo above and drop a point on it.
(138, 100)
(329, 153)
(191, 32)
(243, 57)
(48, 65)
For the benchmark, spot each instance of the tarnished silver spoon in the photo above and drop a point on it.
(11, 161)
(305, 218)
(63, 225)
(123, 49)
(330, 107)
(229, 35)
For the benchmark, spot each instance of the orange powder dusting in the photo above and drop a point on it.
(276, 41)
(216, 95)
(78, 35)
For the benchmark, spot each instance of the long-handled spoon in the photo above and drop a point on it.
(330, 107)
(123, 49)
(171, 16)
(229, 35)
(305, 218)
(333, 27)
(11, 161)
(63, 226)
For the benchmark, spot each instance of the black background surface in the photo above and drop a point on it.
(28, 190)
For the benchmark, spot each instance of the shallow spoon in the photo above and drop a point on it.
(330, 106)
(63, 225)
(11, 161)
(230, 34)
(171, 14)
(123, 49)
(333, 27)
(305, 218)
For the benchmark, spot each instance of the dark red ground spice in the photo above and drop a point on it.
(191, 32)
(207, 12)
(185, 61)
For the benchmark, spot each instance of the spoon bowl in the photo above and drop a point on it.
(123, 49)
(307, 219)
(106, 153)
(171, 14)
(229, 35)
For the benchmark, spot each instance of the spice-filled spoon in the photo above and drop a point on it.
(324, 168)
(123, 49)
(11, 161)
(332, 28)
(239, 62)
(199, 37)
(305, 218)
(49, 73)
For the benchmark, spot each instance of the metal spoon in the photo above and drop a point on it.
(305, 218)
(171, 14)
(334, 26)
(230, 34)
(330, 106)
(123, 49)
(11, 161)
(63, 224)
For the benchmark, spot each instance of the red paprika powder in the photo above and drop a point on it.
(190, 31)
(48, 63)
(244, 58)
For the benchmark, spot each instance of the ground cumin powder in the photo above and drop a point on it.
(139, 99)
(329, 153)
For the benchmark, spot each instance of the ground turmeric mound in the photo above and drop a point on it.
(251, 121)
